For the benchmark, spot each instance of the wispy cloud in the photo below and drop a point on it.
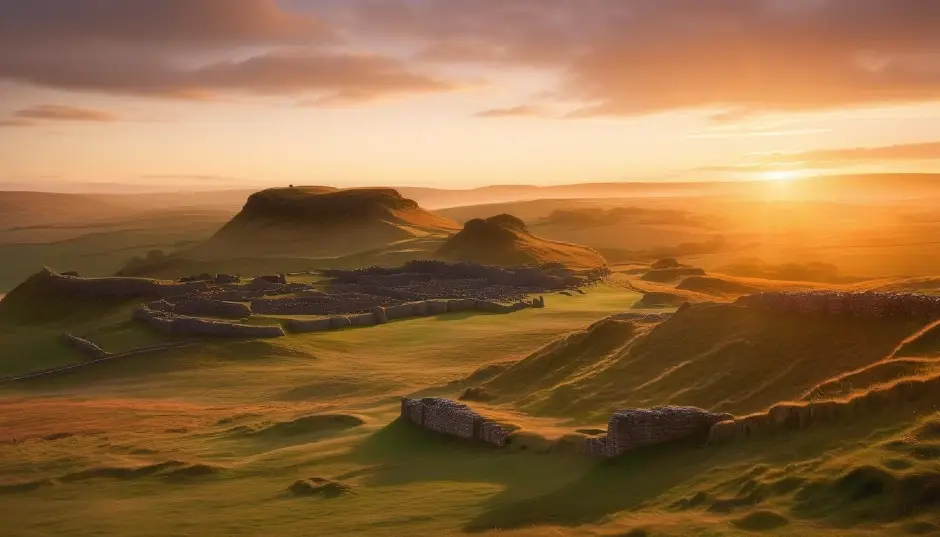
(515, 111)
(53, 112)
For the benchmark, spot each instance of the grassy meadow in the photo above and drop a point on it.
(298, 435)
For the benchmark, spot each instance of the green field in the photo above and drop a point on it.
(207, 440)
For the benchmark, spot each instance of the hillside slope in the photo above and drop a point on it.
(505, 240)
(722, 357)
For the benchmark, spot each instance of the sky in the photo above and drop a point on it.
(212, 94)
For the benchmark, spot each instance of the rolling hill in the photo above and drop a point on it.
(506, 240)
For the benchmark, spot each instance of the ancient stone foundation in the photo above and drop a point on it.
(180, 324)
(868, 304)
(634, 428)
(198, 306)
(454, 419)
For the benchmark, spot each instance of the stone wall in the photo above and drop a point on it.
(633, 428)
(117, 287)
(84, 346)
(454, 419)
(788, 417)
(194, 305)
(868, 304)
(181, 324)
(381, 315)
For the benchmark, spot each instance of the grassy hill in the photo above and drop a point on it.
(722, 357)
(505, 240)
(323, 221)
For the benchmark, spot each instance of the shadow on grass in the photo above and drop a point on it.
(572, 489)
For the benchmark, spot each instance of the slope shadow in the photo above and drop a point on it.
(581, 490)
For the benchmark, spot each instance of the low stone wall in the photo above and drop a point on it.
(198, 306)
(381, 315)
(788, 417)
(867, 304)
(117, 287)
(180, 324)
(454, 419)
(633, 428)
(84, 346)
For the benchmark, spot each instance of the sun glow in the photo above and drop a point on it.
(780, 175)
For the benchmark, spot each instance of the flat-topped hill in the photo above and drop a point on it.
(506, 240)
(327, 221)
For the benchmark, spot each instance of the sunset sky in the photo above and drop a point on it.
(458, 93)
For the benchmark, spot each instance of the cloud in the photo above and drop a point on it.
(64, 113)
(192, 49)
(625, 58)
(610, 57)
(515, 111)
(859, 155)
(14, 122)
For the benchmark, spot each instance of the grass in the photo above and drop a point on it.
(214, 441)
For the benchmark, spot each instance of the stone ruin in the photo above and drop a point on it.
(198, 306)
(634, 428)
(117, 287)
(454, 419)
(789, 417)
(184, 325)
(850, 304)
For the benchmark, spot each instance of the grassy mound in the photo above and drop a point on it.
(716, 356)
(658, 299)
(317, 486)
(506, 240)
(323, 221)
(307, 425)
(715, 286)
(671, 274)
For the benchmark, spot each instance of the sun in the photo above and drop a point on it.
(780, 175)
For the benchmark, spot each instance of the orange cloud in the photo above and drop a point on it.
(515, 111)
(857, 155)
(64, 113)
(622, 58)
(191, 49)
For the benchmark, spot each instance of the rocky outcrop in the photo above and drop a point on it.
(454, 419)
(89, 349)
(184, 325)
(867, 304)
(634, 428)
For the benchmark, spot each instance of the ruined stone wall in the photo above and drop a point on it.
(118, 287)
(183, 325)
(381, 315)
(454, 419)
(868, 304)
(84, 346)
(199, 306)
(788, 417)
(633, 428)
